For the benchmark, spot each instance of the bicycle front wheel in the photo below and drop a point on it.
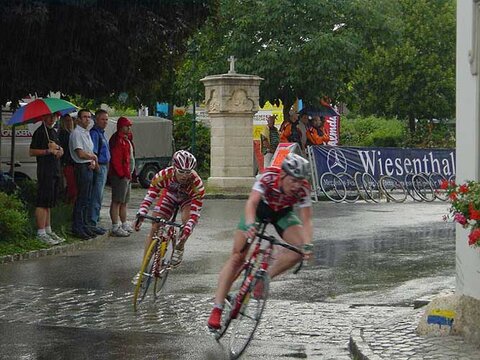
(393, 189)
(164, 266)
(145, 275)
(253, 304)
(333, 187)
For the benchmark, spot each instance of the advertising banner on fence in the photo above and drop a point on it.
(396, 162)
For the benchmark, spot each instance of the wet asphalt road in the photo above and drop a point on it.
(371, 262)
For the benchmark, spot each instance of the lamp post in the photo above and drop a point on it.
(194, 116)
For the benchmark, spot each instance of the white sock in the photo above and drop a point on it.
(218, 306)
(48, 229)
(115, 227)
(41, 232)
(124, 224)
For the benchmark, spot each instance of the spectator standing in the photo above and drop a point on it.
(85, 162)
(45, 146)
(270, 138)
(66, 128)
(316, 134)
(101, 149)
(122, 164)
(291, 132)
(303, 125)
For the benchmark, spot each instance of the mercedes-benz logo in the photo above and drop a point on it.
(336, 161)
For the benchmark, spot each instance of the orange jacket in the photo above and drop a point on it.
(317, 136)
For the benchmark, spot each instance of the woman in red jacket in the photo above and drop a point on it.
(122, 164)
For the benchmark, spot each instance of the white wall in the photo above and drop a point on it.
(468, 150)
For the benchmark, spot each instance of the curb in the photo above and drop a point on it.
(54, 250)
(359, 348)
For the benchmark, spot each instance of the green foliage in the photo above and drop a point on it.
(412, 76)
(27, 193)
(430, 134)
(384, 132)
(95, 48)
(182, 133)
(13, 218)
(372, 131)
(303, 49)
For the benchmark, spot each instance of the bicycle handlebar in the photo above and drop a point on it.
(160, 220)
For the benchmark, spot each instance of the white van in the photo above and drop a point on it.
(25, 165)
(152, 136)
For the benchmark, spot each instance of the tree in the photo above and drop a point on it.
(413, 77)
(303, 49)
(97, 49)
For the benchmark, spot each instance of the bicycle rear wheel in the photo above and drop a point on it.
(145, 275)
(253, 304)
(166, 253)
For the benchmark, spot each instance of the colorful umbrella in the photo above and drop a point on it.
(33, 110)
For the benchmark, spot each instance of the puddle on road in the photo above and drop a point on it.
(381, 261)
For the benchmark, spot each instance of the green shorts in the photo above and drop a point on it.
(281, 220)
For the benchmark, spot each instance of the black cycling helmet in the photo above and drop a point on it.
(296, 166)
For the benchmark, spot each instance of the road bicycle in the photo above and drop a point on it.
(243, 311)
(157, 261)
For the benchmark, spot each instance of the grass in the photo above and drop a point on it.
(61, 220)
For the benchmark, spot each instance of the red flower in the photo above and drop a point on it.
(474, 214)
(463, 189)
(474, 236)
(453, 196)
(444, 184)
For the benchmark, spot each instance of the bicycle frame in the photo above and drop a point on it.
(156, 262)
(252, 263)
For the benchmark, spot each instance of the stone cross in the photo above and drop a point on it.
(232, 60)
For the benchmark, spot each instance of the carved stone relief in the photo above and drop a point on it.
(213, 104)
(239, 102)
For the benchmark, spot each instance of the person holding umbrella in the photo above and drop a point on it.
(45, 146)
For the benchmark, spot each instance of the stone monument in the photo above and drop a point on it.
(231, 100)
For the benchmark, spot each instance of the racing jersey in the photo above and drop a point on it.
(164, 181)
(268, 185)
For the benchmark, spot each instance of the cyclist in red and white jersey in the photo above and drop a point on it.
(272, 199)
(177, 186)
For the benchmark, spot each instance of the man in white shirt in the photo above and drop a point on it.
(85, 162)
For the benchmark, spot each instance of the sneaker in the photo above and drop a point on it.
(46, 239)
(56, 237)
(119, 232)
(89, 232)
(127, 227)
(135, 278)
(97, 230)
(177, 257)
(81, 235)
(215, 318)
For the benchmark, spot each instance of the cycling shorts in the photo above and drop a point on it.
(168, 203)
(281, 219)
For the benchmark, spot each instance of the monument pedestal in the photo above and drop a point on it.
(231, 101)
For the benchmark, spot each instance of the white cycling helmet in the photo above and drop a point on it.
(183, 160)
(296, 166)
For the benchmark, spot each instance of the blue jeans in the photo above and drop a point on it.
(84, 178)
(98, 184)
